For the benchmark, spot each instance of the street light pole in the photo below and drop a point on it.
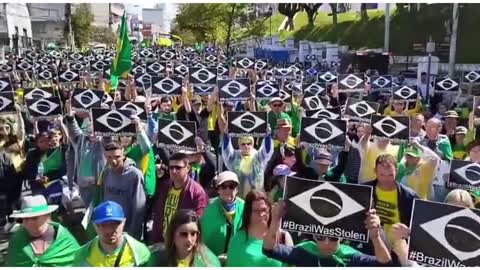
(453, 41)
(430, 49)
(386, 41)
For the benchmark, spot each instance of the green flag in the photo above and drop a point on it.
(123, 59)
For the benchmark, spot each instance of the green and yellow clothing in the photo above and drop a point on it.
(387, 209)
(367, 169)
(203, 257)
(459, 151)
(290, 142)
(61, 251)
(418, 108)
(142, 154)
(135, 253)
(218, 226)
(171, 205)
(418, 178)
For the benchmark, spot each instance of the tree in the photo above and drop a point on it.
(363, 12)
(289, 10)
(82, 24)
(311, 10)
(334, 6)
(103, 34)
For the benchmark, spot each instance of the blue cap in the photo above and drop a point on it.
(107, 211)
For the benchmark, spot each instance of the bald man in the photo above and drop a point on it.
(437, 142)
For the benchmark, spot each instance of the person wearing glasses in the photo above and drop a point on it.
(223, 215)
(325, 251)
(245, 248)
(180, 191)
(276, 112)
(184, 247)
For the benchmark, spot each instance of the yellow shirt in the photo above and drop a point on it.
(387, 209)
(171, 205)
(212, 117)
(421, 179)
(98, 258)
(367, 170)
(390, 112)
(290, 142)
(183, 263)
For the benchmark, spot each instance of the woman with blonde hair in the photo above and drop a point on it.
(460, 197)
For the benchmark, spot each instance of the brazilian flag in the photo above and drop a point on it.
(123, 59)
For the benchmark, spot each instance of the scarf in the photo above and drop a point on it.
(195, 171)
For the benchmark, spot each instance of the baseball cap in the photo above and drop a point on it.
(461, 130)
(451, 114)
(275, 99)
(282, 170)
(226, 176)
(413, 151)
(107, 211)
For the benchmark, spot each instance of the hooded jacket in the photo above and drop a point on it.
(127, 190)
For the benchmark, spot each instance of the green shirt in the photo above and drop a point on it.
(215, 225)
(341, 256)
(247, 252)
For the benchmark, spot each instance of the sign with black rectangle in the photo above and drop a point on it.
(47, 74)
(84, 99)
(351, 83)
(381, 82)
(247, 124)
(464, 175)
(137, 107)
(326, 208)
(406, 93)
(395, 128)
(45, 108)
(446, 84)
(266, 90)
(203, 76)
(5, 85)
(143, 80)
(314, 89)
(323, 133)
(37, 93)
(245, 63)
(360, 110)
(234, 90)
(109, 122)
(444, 235)
(327, 77)
(329, 113)
(68, 76)
(166, 86)
(177, 135)
(314, 102)
(203, 90)
(472, 77)
(284, 73)
(156, 68)
(7, 103)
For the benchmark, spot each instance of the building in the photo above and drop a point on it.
(106, 13)
(15, 26)
(48, 23)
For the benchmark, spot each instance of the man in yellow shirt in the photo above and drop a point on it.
(393, 201)
(112, 247)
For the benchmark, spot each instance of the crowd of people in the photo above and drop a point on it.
(124, 201)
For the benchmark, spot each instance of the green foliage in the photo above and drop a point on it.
(103, 34)
(82, 20)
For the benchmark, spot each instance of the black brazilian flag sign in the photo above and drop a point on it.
(109, 122)
(7, 103)
(396, 128)
(444, 235)
(327, 208)
(177, 135)
(464, 175)
(247, 124)
(322, 132)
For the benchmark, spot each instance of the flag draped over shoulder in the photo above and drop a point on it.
(123, 59)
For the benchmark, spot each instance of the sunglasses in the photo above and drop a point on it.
(175, 167)
(320, 238)
(276, 105)
(228, 186)
(186, 234)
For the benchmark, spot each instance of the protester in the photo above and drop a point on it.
(40, 242)
(223, 215)
(436, 141)
(280, 172)
(112, 247)
(330, 252)
(179, 192)
(183, 246)
(122, 183)
(460, 198)
(245, 248)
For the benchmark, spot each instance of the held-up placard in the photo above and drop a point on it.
(406, 93)
(471, 77)
(446, 84)
(444, 235)
(395, 128)
(245, 63)
(326, 208)
(68, 76)
(84, 99)
(329, 113)
(351, 83)
(45, 108)
(284, 73)
(7, 103)
(163, 86)
(109, 122)
(360, 110)
(323, 133)
(247, 124)
(203, 76)
(327, 77)
(177, 135)
(5, 85)
(464, 175)
(203, 90)
(234, 90)
(37, 93)
(381, 83)
(137, 107)
(266, 90)
(314, 89)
